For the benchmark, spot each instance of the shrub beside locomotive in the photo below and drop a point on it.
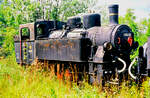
(101, 51)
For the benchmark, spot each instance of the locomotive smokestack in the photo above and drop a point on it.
(113, 14)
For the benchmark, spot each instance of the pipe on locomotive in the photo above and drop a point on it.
(124, 65)
(129, 69)
(113, 14)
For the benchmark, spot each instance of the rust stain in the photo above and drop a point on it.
(55, 42)
(46, 45)
(40, 43)
(70, 44)
(52, 46)
(59, 44)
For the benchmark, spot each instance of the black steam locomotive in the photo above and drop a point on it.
(103, 52)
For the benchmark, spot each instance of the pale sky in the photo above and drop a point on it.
(141, 7)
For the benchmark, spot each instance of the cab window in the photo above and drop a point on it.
(41, 29)
(25, 33)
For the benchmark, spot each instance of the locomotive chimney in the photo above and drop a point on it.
(113, 14)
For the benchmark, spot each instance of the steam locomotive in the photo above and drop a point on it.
(102, 52)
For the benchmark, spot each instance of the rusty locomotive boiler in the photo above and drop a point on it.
(99, 51)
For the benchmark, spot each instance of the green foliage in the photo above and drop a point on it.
(72, 8)
(8, 43)
(17, 82)
(145, 24)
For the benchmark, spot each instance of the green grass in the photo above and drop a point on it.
(33, 82)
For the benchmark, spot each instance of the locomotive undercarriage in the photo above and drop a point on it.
(70, 71)
(94, 73)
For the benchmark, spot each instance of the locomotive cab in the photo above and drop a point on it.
(28, 34)
(24, 44)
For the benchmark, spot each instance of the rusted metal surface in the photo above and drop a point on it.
(17, 52)
(63, 49)
(27, 52)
